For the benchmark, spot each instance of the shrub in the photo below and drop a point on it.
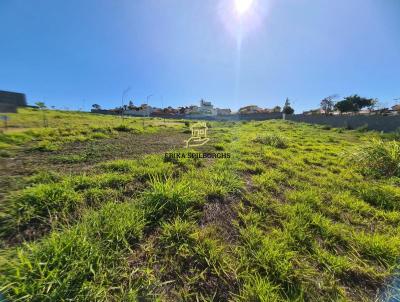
(379, 159)
(272, 140)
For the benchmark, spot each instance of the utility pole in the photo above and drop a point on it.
(147, 107)
(122, 101)
(162, 106)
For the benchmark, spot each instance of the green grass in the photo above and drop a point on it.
(379, 159)
(297, 213)
(26, 129)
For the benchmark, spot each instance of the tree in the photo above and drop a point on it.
(42, 107)
(355, 103)
(344, 106)
(96, 106)
(277, 109)
(327, 104)
(359, 102)
(373, 104)
(286, 108)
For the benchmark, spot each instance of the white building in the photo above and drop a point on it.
(206, 108)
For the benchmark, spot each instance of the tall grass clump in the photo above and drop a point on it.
(41, 204)
(272, 140)
(79, 264)
(167, 197)
(378, 159)
(382, 196)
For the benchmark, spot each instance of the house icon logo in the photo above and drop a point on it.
(199, 135)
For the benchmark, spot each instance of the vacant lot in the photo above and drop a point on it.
(92, 210)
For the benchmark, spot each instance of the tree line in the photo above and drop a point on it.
(353, 103)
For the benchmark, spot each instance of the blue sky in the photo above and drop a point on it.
(74, 53)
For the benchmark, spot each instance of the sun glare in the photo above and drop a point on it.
(242, 6)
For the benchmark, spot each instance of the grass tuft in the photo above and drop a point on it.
(379, 159)
(272, 140)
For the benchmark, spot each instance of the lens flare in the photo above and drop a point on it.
(242, 6)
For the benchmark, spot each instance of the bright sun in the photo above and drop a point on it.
(242, 6)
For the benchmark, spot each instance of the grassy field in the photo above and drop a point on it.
(92, 210)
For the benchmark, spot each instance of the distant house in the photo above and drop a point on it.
(193, 109)
(10, 101)
(387, 111)
(314, 112)
(223, 111)
(143, 110)
(396, 107)
(207, 108)
(250, 109)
